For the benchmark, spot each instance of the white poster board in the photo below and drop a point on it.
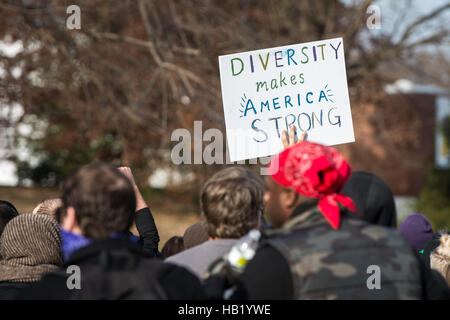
(267, 91)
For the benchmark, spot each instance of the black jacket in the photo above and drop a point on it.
(9, 290)
(116, 269)
(148, 233)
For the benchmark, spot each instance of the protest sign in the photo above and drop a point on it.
(267, 91)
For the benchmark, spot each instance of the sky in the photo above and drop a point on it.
(398, 14)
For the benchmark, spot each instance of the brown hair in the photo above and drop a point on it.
(238, 172)
(173, 246)
(231, 206)
(103, 199)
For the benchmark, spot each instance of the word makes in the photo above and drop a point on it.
(289, 57)
(274, 83)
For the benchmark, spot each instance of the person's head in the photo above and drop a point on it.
(373, 198)
(173, 246)
(48, 207)
(417, 230)
(30, 247)
(304, 172)
(196, 234)
(97, 201)
(239, 172)
(440, 256)
(280, 202)
(231, 207)
(7, 212)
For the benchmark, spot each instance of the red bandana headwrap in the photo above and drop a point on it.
(315, 171)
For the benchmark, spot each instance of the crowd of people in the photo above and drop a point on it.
(323, 228)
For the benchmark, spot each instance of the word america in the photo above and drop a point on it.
(285, 58)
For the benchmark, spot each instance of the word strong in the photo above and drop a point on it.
(267, 91)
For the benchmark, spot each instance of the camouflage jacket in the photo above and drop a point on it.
(357, 261)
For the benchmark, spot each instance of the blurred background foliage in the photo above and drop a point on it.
(434, 200)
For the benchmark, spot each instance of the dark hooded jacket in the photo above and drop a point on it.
(373, 198)
(115, 269)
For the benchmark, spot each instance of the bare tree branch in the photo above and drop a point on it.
(167, 65)
(422, 20)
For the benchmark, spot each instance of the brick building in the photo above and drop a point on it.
(396, 137)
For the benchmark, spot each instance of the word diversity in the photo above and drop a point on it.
(292, 56)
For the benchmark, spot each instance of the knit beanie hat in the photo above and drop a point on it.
(195, 235)
(31, 247)
(417, 230)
